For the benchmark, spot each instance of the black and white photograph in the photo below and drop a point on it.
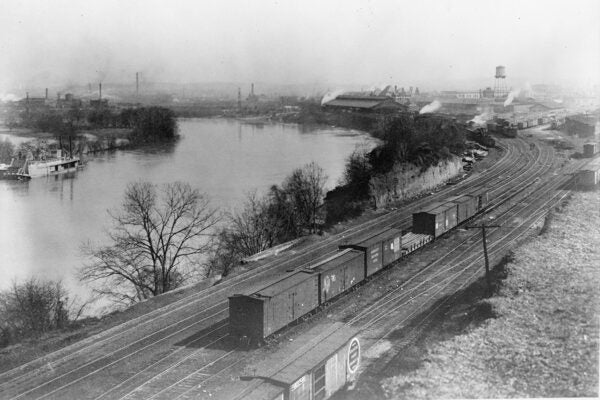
(299, 200)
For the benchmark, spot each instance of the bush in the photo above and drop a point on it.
(34, 307)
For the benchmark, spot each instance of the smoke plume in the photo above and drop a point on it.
(511, 96)
(330, 96)
(480, 119)
(431, 107)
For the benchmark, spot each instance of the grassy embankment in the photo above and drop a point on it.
(543, 340)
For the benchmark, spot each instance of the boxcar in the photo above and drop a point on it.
(338, 274)
(465, 206)
(321, 370)
(433, 219)
(379, 250)
(480, 199)
(265, 311)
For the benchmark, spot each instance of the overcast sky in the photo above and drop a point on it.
(435, 44)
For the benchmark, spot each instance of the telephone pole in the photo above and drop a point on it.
(488, 277)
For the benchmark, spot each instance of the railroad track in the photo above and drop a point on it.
(116, 347)
(459, 269)
(199, 381)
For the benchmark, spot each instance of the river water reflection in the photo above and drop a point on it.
(43, 222)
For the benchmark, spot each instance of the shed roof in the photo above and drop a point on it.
(365, 102)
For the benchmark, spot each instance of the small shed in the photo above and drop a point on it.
(589, 149)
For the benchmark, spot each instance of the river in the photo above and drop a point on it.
(44, 222)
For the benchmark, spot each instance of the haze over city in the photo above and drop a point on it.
(432, 44)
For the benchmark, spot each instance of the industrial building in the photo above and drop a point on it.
(355, 103)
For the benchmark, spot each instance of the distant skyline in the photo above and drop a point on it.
(430, 44)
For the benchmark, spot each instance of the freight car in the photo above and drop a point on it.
(319, 371)
(262, 312)
(265, 311)
(438, 218)
(503, 127)
(379, 250)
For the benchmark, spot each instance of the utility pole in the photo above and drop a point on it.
(488, 277)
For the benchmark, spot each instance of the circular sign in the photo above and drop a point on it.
(353, 355)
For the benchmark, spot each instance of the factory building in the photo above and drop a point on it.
(355, 103)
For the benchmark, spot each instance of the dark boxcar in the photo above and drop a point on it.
(338, 274)
(279, 303)
(465, 207)
(392, 246)
(480, 199)
(371, 247)
(430, 221)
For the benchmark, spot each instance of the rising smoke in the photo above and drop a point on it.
(480, 119)
(330, 96)
(511, 96)
(431, 107)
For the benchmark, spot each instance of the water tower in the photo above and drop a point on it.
(500, 89)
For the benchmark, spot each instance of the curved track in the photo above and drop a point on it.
(171, 349)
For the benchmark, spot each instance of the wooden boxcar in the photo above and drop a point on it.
(379, 249)
(480, 199)
(433, 219)
(465, 207)
(317, 373)
(263, 312)
(339, 273)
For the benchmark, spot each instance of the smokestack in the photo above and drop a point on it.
(239, 99)
(27, 95)
(100, 90)
(137, 84)
(46, 93)
(252, 90)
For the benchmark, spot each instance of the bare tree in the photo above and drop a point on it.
(306, 187)
(158, 237)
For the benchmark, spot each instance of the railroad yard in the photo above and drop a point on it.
(184, 350)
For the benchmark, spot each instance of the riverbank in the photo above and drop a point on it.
(537, 337)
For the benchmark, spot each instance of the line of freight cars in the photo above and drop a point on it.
(258, 314)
